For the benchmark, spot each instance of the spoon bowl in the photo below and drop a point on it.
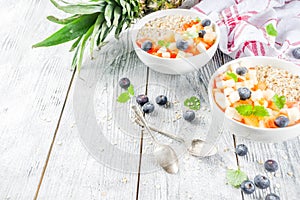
(166, 158)
(196, 148)
(164, 154)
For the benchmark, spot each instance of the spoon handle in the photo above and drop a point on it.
(170, 135)
(140, 116)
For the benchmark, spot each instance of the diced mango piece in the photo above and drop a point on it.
(252, 121)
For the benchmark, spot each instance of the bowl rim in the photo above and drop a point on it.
(168, 12)
(225, 66)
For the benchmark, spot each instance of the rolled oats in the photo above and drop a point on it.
(280, 81)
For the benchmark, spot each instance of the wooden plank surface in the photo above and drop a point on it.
(72, 173)
(33, 88)
(198, 178)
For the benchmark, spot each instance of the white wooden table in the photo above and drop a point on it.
(42, 155)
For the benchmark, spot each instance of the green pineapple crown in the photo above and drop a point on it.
(93, 20)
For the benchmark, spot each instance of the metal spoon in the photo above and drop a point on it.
(164, 154)
(196, 147)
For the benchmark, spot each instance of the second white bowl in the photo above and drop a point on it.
(246, 131)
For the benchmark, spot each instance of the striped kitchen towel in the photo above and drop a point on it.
(243, 25)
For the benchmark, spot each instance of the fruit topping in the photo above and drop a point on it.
(124, 83)
(244, 93)
(161, 100)
(248, 187)
(148, 107)
(271, 165)
(189, 115)
(142, 99)
(241, 150)
(261, 182)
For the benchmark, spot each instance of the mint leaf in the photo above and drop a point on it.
(271, 30)
(168, 44)
(260, 111)
(279, 101)
(186, 103)
(245, 110)
(233, 76)
(161, 43)
(124, 97)
(130, 90)
(192, 103)
(236, 177)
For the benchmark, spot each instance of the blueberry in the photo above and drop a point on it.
(241, 150)
(296, 53)
(147, 45)
(282, 121)
(189, 115)
(182, 44)
(241, 71)
(271, 165)
(148, 107)
(272, 196)
(201, 33)
(261, 182)
(248, 187)
(244, 93)
(205, 22)
(142, 99)
(124, 83)
(161, 100)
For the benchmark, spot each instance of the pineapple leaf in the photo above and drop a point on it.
(103, 33)
(82, 46)
(69, 32)
(79, 8)
(98, 23)
(117, 15)
(74, 61)
(63, 21)
(75, 44)
(119, 29)
(108, 13)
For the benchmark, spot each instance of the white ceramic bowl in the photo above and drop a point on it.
(246, 131)
(173, 65)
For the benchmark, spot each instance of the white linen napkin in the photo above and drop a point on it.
(243, 26)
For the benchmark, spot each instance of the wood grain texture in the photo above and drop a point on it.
(73, 173)
(33, 87)
(198, 178)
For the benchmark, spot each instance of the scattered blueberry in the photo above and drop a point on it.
(241, 150)
(142, 99)
(241, 71)
(296, 53)
(124, 83)
(205, 22)
(261, 182)
(244, 93)
(272, 196)
(248, 187)
(282, 121)
(182, 45)
(148, 107)
(147, 45)
(201, 33)
(189, 115)
(161, 100)
(271, 165)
